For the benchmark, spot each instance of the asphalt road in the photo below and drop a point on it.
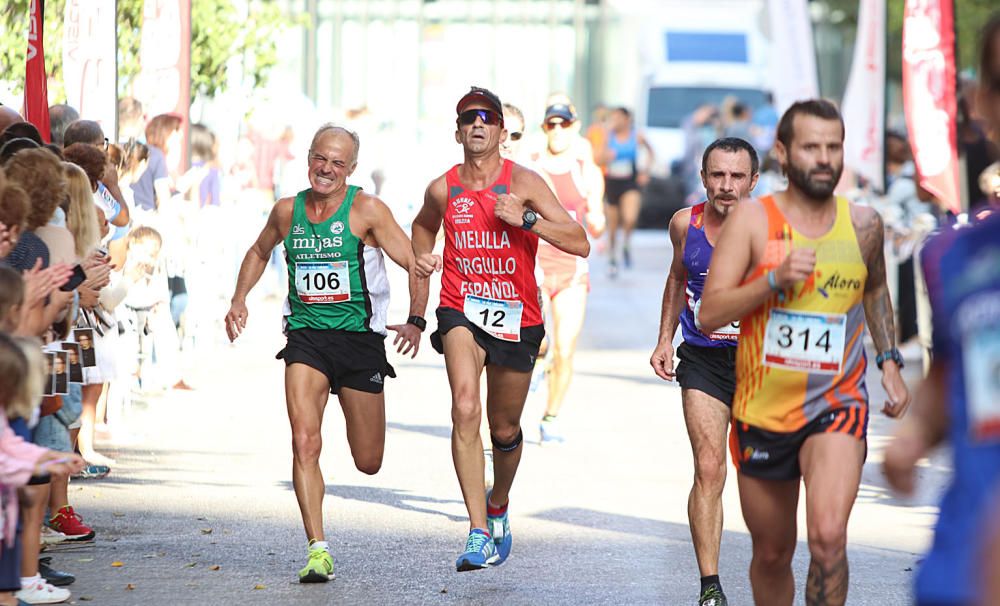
(200, 510)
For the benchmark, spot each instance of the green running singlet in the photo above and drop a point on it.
(335, 281)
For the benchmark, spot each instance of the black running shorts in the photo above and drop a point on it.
(518, 356)
(710, 370)
(769, 455)
(355, 360)
(614, 189)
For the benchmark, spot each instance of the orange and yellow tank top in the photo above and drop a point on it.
(805, 354)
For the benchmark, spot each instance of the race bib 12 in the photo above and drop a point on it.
(500, 319)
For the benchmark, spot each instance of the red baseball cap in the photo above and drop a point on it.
(480, 94)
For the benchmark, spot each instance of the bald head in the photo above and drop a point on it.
(8, 117)
(60, 117)
(83, 131)
(333, 130)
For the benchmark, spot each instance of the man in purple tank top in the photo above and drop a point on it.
(707, 368)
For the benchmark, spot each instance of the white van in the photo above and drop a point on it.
(694, 54)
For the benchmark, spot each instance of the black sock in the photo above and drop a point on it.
(707, 582)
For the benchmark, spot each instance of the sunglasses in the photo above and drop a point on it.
(564, 124)
(516, 136)
(488, 117)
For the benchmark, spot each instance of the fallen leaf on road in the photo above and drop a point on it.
(85, 560)
(118, 514)
(445, 590)
(259, 586)
(206, 531)
(130, 587)
(86, 598)
(202, 519)
(116, 564)
(215, 567)
(191, 565)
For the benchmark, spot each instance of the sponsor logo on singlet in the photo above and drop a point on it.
(337, 228)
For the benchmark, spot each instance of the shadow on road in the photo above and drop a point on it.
(435, 431)
(391, 497)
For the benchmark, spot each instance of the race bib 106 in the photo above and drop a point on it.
(500, 319)
(803, 341)
(324, 282)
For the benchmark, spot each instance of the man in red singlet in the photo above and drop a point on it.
(579, 186)
(494, 211)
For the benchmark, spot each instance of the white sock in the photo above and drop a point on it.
(30, 581)
(320, 545)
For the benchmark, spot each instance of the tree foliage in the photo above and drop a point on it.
(218, 32)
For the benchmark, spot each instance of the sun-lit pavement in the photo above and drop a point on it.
(200, 510)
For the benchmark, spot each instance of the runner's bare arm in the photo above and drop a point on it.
(923, 429)
(389, 236)
(254, 263)
(662, 359)
(554, 225)
(673, 292)
(594, 182)
(878, 306)
(650, 155)
(726, 299)
(426, 226)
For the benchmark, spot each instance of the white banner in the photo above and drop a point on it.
(864, 99)
(793, 54)
(90, 62)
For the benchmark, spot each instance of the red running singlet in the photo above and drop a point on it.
(484, 257)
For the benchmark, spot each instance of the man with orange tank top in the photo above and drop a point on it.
(494, 212)
(803, 270)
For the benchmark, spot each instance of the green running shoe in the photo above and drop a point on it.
(319, 569)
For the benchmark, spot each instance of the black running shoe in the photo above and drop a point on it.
(54, 577)
(713, 596)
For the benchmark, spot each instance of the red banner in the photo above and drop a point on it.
(929, 96)
(36, 91)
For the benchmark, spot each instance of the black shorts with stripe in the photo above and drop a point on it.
(769, 455)
(355, 360)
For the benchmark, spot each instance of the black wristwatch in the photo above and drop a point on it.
(529, 219)
(418, 322)
(893, 354)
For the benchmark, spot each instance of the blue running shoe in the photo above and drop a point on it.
(500, 529)
(480, 552)
(551, 432)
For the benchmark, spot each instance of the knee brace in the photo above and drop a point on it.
(497, 444)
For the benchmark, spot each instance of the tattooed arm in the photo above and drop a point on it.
(878, 306)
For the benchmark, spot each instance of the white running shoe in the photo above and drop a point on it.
(51, 536)
(41, 592)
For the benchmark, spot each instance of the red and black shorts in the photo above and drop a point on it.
(769, 455)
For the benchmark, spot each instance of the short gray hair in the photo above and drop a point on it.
(331, 127)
